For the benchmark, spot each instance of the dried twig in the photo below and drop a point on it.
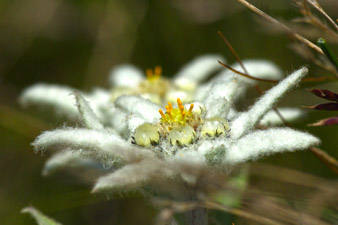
(312, 19)
(247, 75)
(290, 31)
(233, 51)
(331, 162)
(307, 79)
(317, 6)
(171, 207)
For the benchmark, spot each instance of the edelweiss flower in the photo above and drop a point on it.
(125, 79)
(181, 143)
(186, 85)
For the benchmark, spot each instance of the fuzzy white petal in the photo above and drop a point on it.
(289, 114)
(134, 122)
(126, 76)
(100, 102)
(197, 70)
(119, 121)
(247, 120)
(66, 159)
(58, 97)
(130, 176)
(220, 98)
(139, 106)
(189, 157)
(232, 114)
(87, 116)
(261, 69)
(98, 144)
(265, 142)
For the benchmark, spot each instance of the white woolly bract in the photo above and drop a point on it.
(67, 159)
(100, 101)
(220, 98)
(247, 120)
(62, 100)
(87, 116)
(197, 70)
(134, 122)
(58, 97)
(130, 176)
(139, 106)
(265, 142)
(125, 76)
(261, 69)
(289, 114)
(119, 121)
(97, 144)
(125, 123)
(39, 217)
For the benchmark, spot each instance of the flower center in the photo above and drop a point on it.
(176, 116)
(180, 127)
(154, 75)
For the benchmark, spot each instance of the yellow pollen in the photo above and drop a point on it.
(176, 116)
(158, 70)
(180, 105)
(170, 106)
(190, 109)
(153, 75)
(149, 73)
(162, 114)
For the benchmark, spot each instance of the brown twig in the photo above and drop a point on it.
(307, 79)
(289, 30)
(312, 19)
(320, 154)
(331, 162)
(232, 51)
(317, 6)
(260, 92)
(247, 75)
(180, 207)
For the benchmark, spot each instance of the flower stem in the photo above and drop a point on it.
(198, 215)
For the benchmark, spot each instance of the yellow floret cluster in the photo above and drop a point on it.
(176, 116)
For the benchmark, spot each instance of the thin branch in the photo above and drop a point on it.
(307, 79)
(258, 89)
(233, 51)
(247, 75)
(241, 213)
(331, 162)
(180, 207)
(314, 20)
(317, 6)
(289, 30)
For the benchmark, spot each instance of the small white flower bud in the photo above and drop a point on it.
(146, 135)
(181, 135)
(215, 126)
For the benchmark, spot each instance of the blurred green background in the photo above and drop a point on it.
(77, 42)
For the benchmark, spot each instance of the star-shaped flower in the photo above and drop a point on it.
(124, 79)
(188, 84)
(182, 143)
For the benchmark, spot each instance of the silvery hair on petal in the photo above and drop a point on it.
(125, 76)
(198, 70)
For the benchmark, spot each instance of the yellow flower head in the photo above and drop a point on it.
(176, 116)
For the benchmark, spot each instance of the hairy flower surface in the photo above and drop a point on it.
(188, 85)
(147, 145)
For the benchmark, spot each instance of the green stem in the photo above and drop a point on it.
(328, 52)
